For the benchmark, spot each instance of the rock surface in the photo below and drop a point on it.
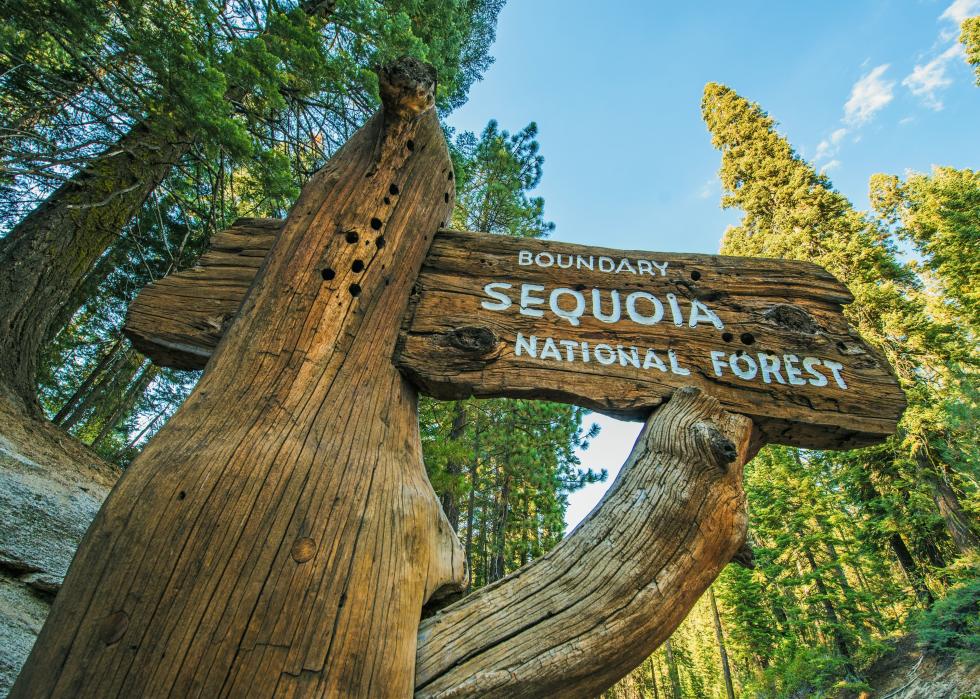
(908, 673)
(51, 486)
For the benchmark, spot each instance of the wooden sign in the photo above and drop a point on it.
(279, 535)
(612, 330)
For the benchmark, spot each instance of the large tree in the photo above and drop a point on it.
(156, 83)
(939, 214)
(970, 38)
(789, 210)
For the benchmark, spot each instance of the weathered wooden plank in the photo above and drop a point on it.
(766, 337)
(177, 321)
(460, 340)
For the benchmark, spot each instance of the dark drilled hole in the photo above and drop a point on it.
(393, 190)
(351, 236)
(357, 266)
(355, 289)
(695, 275)
(446, 197)
(181, 495)
(410, 144)
(727, 337)
(450, 175)
(387, 201)
(747, 338)
(380, 242)
(376, 224)
(327, 273)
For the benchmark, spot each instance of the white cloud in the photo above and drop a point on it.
(926, 80)
(960, 10)
(830, 166)
(709, 188)
(828, 147)
(869, 95)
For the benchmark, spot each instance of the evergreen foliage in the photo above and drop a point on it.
(970, 38)
(850, 547)
(952, 626)
(939, 214)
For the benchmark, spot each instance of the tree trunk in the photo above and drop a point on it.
(149, 425)
(653, 678)
(125, 405)
(471, 507)
(912, 572)
(86, 385)
(525, 527)
(576, 620)
(957, 521)
(500, 524)
(279, 536)
(46, 258)
(836, 629)
(99, 396)
(722, 651)
(453, 466)
(675, 678)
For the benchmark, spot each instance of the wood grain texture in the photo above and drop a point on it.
(452, 347)
(773, 307)
(178, 320)
(574, 622)
(279, 536)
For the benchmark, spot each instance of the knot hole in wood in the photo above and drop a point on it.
(473, 339)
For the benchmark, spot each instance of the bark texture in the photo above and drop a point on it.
(279, 536)
(574, 622)
(46, 258)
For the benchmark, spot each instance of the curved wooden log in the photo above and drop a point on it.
(279, 536)
(580, 618)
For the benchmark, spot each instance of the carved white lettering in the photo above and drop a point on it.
(527, 300)
(503, 300)
(636, 316)
(573, 315)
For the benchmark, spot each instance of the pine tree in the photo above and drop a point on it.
(970, 38)
(939, 214)
(792, 211)
(161, 84)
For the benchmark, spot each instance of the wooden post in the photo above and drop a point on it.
(279, 536)
(577, 620)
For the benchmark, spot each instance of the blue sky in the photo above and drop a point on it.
(615, 88)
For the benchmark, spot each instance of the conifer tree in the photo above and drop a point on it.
(939, 213)
(970, 38)
(158, 85)
(792, 211)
